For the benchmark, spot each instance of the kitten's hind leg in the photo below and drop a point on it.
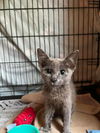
(49, 112)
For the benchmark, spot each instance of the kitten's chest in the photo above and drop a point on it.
(58, 97)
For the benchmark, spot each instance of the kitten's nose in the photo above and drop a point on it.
(53, 80)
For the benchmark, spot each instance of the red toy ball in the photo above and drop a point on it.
(27, 116)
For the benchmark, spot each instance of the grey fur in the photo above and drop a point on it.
(58, 87)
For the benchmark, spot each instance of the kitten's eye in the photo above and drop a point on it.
(62, 72)
(48, 71)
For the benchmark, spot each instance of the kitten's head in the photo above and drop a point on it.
(55, 71)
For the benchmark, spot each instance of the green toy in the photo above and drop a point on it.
(26, 128)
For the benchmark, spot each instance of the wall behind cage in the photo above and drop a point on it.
(56, 26)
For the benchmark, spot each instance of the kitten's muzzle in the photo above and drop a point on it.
(53, 80)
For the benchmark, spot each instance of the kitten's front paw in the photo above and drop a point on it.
(44, 130)
(66, 132)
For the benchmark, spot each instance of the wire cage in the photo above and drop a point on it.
(56, 26)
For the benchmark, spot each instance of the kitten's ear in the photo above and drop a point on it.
(71, 60)
(42, 57)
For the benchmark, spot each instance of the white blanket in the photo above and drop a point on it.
(9, 108)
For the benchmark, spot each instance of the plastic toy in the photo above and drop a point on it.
(93, 131)
(24, 129)
(27, 116)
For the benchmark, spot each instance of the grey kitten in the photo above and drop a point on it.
(58, 87)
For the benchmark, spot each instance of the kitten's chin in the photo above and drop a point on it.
(56, 84)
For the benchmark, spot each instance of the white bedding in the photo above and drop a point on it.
(9, 108)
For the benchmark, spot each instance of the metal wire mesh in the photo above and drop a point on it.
(56, 26)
